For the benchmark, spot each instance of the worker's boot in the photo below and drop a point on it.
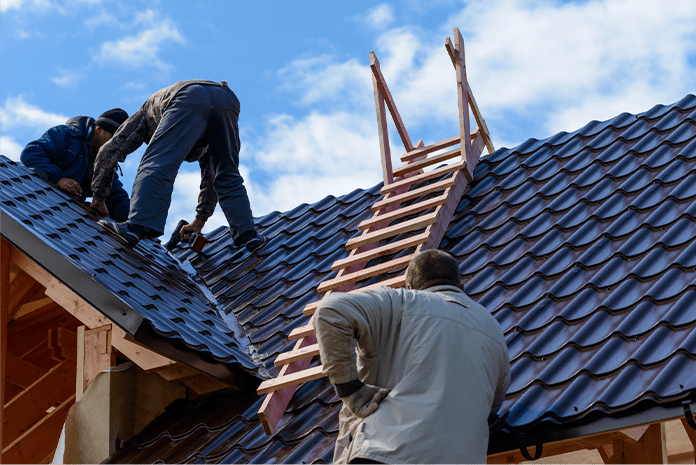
(123, 230)
(252, 245)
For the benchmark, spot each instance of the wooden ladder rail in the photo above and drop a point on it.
(365, 247)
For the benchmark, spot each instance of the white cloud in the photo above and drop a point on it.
(311, 157)
(18, 113)
(68, 77)
(10, 148)
(6, 5)
(143, 48)
(380, 16)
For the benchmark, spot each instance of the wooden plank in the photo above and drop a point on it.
(380, 251)
(402, 212)
(30, 406)
(293, 355)
(31, 267)
(22, 373)
(365, 273)
(38, 442)
(651, 448)
(445, 213)
(427, 176)
(463, 99)
(273, 406)
(391, 231)
(93, 355)
(383, 134)
(67, 341)
(389, 100)
(20, 288)
(410, 195)
(292, 379)
(203, 384)
(480, 122)
(303, 331)
(408, 156)
(33, 306)
(434, 160)
(5, 264)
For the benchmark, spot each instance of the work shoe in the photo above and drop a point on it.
(255, 243)
(122, 230)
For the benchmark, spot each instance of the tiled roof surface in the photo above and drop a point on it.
(582, 246)
(146, 278)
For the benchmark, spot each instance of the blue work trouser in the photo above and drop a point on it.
(204, 113)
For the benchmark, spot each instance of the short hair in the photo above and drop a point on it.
(433, 268)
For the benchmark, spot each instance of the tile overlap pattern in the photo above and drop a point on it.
(581, 245)
(146, 278)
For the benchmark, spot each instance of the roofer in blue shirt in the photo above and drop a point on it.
(419, 370)
(189, 121)
(65, 155)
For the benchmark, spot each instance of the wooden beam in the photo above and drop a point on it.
(63, 344)
(380, 251)
(692, 436)
(427, 176)
(274, 404)
(402, 213)
(293, 355)
(434, 160)
(383, 134)
(392, 231)
(20, 288)
(22, 373)
(650, 448)
(94, 353)
(292, 379)
(38, 442)
(414, 194)
(480, 122)
(366, 273)
(5, 261)
(389, 100)
(30, 406)
(418, 152)
(463, 98)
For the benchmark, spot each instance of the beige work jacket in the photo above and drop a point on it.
(442, 355)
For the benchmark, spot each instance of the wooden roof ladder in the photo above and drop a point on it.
(417, 205)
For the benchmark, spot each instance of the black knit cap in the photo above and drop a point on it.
(110, 120)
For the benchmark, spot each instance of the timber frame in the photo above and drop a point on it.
(53, 344)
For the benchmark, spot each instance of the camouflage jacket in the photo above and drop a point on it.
(139, 128)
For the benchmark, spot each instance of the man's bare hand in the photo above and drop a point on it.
(194, 227)
(100, 207)
(364, 401)
(70, 186)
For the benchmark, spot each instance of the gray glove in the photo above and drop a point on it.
(364, 401)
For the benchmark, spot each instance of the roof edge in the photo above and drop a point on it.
(74, 278)
(546, 432)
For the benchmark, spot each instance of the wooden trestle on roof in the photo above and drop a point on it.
(430, 212)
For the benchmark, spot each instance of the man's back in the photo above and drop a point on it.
(442, 356)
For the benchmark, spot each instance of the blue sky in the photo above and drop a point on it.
(301, 72)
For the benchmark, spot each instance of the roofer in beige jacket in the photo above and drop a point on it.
(429, 367)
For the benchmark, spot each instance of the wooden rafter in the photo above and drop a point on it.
(431, 209)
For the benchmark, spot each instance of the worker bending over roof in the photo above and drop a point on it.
(419, 370)
(188, 121)
(65, 156)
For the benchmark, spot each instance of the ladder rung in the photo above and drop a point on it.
(301, 332)
(311, 308)
(308, 329)
(430, 148)
(289, 357)
(391, 231)
(441, 171)
(403, 212)
(379, 251)
(289, 380)
(365, 273)
(439, 158)
(429, 189)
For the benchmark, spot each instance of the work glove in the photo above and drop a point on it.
(364, 401)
